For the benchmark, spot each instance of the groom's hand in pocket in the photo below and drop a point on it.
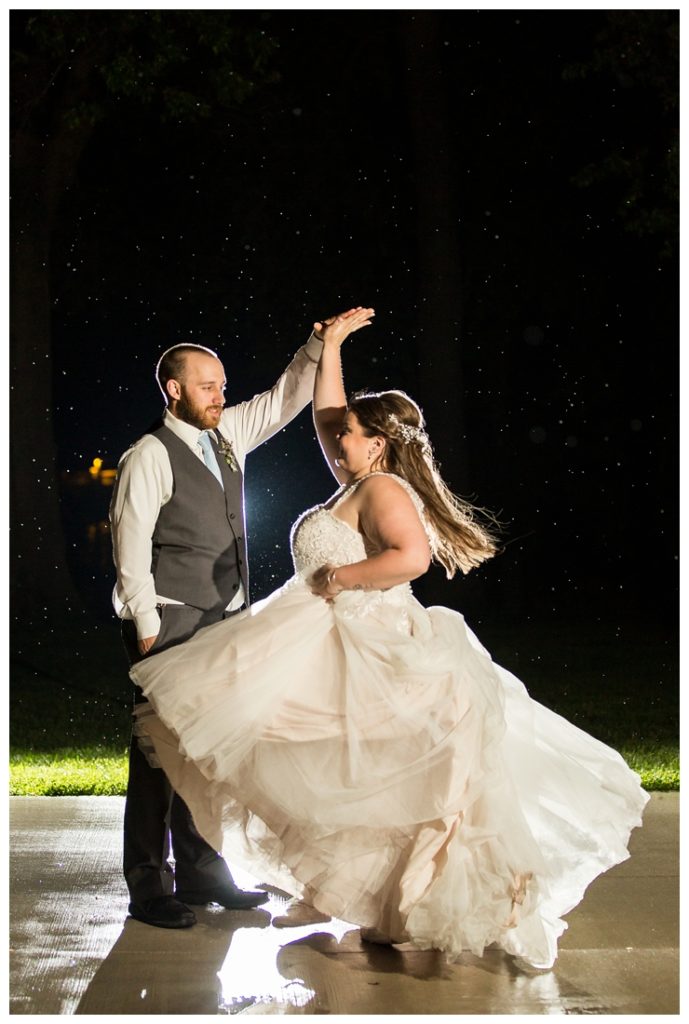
(146, 643)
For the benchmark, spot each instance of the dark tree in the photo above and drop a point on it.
(437, 229)
(638, 52)
(71, 71)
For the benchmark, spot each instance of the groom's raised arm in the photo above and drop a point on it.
(251, 423)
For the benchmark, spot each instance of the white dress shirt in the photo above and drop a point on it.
(145, 483)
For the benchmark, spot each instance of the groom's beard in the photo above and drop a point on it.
(201, 417)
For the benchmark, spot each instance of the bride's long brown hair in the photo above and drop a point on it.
(458, 540)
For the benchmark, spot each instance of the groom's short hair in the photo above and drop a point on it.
(172, 363)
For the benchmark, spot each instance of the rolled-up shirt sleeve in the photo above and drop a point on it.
(144, 484)
(251, 423)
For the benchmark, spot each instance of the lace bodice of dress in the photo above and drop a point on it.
(318, 537)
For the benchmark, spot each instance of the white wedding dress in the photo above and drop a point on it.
(369, 756)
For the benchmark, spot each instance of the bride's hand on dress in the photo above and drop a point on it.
(335, 329)
(324, 585)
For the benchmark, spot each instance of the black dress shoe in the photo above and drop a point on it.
(163, 912)
(226, 895)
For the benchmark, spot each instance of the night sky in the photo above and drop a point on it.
(498, 185)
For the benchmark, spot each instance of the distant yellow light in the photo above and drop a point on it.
(107, 477)
(94, 470)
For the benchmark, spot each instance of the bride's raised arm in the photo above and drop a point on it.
(329, 398)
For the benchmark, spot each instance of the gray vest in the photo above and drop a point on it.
(199, 541)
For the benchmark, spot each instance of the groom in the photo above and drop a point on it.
(179, 545)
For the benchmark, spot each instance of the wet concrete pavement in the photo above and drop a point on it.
(73, 950)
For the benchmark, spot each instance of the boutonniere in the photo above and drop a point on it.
(225, 449)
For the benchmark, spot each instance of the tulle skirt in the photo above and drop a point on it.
(369, 756)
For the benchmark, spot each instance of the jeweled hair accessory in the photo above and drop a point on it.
(409, 433)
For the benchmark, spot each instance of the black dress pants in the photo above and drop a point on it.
(156, 817)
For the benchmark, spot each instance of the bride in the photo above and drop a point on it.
(365, 753)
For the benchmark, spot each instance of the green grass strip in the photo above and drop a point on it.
(102, 772)
(658, 766)
(68, 772)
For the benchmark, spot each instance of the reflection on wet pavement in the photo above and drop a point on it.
(73, 949)
(253, 973)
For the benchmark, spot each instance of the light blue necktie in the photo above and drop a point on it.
(209, 457)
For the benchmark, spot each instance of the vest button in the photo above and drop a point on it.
(231, 515)
(235, 586)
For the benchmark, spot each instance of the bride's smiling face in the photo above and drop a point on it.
(357, 452)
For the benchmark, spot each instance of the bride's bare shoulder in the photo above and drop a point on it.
(385, 487)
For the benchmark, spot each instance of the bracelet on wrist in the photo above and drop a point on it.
(331, 580)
